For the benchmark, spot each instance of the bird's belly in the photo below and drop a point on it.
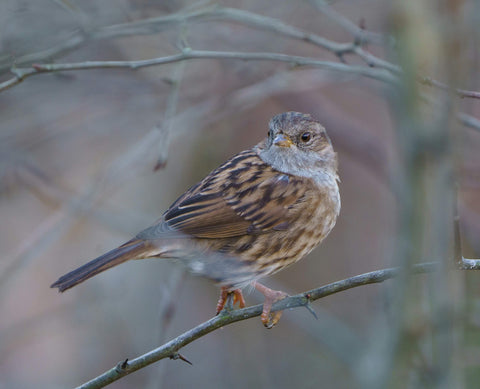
(271, 252)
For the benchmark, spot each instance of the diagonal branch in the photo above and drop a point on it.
(171, 348)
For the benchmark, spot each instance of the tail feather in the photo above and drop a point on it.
(130, 250)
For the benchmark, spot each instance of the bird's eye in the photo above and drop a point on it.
(306, 136)
(269, 133)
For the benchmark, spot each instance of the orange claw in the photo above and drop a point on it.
(269, 319)
(237, 298)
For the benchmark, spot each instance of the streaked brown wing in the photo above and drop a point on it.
(243, 196)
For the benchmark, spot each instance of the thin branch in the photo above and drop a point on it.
(48, 231)
(361, 35)
(461, 262)
(214, 13)
(187, 54)
(158, 24)
(166, 125)
(463, 93)
(155, 25)
(469, 264)
(129, 162)
(469, 121)
(171, 348)
(72, 43)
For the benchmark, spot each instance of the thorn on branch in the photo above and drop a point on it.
(186, 50)
(362, 24)
(121, 366)
(308, 305)
(39, 67)
(341, 57)
(16, 72)
(357, 40)
(370, 63)
(161, 163)
(177, 355)
(426, 81)
(168, 81)
(360, 38)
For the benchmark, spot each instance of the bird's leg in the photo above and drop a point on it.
(269, 319)
(237, 298)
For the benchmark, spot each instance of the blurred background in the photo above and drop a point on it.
(90, 157)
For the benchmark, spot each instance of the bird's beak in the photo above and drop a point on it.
(282, 140)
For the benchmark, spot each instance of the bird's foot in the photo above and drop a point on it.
(237, 298)
(269, 319)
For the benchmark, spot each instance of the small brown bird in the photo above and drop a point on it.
(259, 212)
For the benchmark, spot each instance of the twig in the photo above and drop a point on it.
(57, 224)
(214, 13)
(468, 121)
(463, 93)
(187, 54)
(171, 348)
(165, 127)
(361, 35)
(34, 244)
(461, 262)
(158, 24)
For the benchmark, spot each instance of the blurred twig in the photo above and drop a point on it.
(214, 13)
(360, 34)
(155, 25)
(468, 121)
(135, 159)
(171, 348)
(463, 93)
(189, 54)
(168, 120)
(460, 261)
(158, 24)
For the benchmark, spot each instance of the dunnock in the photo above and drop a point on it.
(259, 212)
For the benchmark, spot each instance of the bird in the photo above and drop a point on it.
(259, 212)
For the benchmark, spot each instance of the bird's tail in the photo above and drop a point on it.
(130, 250)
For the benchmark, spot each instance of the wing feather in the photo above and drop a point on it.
(243, 196)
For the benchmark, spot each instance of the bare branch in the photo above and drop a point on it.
(214, 13)
(468, 121)
(361, 35)
(169, 117)
(187, 54)
(158, 24)
(460, 261)
(171, 348)
(463, 93)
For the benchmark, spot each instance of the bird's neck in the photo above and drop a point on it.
(320, 168)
